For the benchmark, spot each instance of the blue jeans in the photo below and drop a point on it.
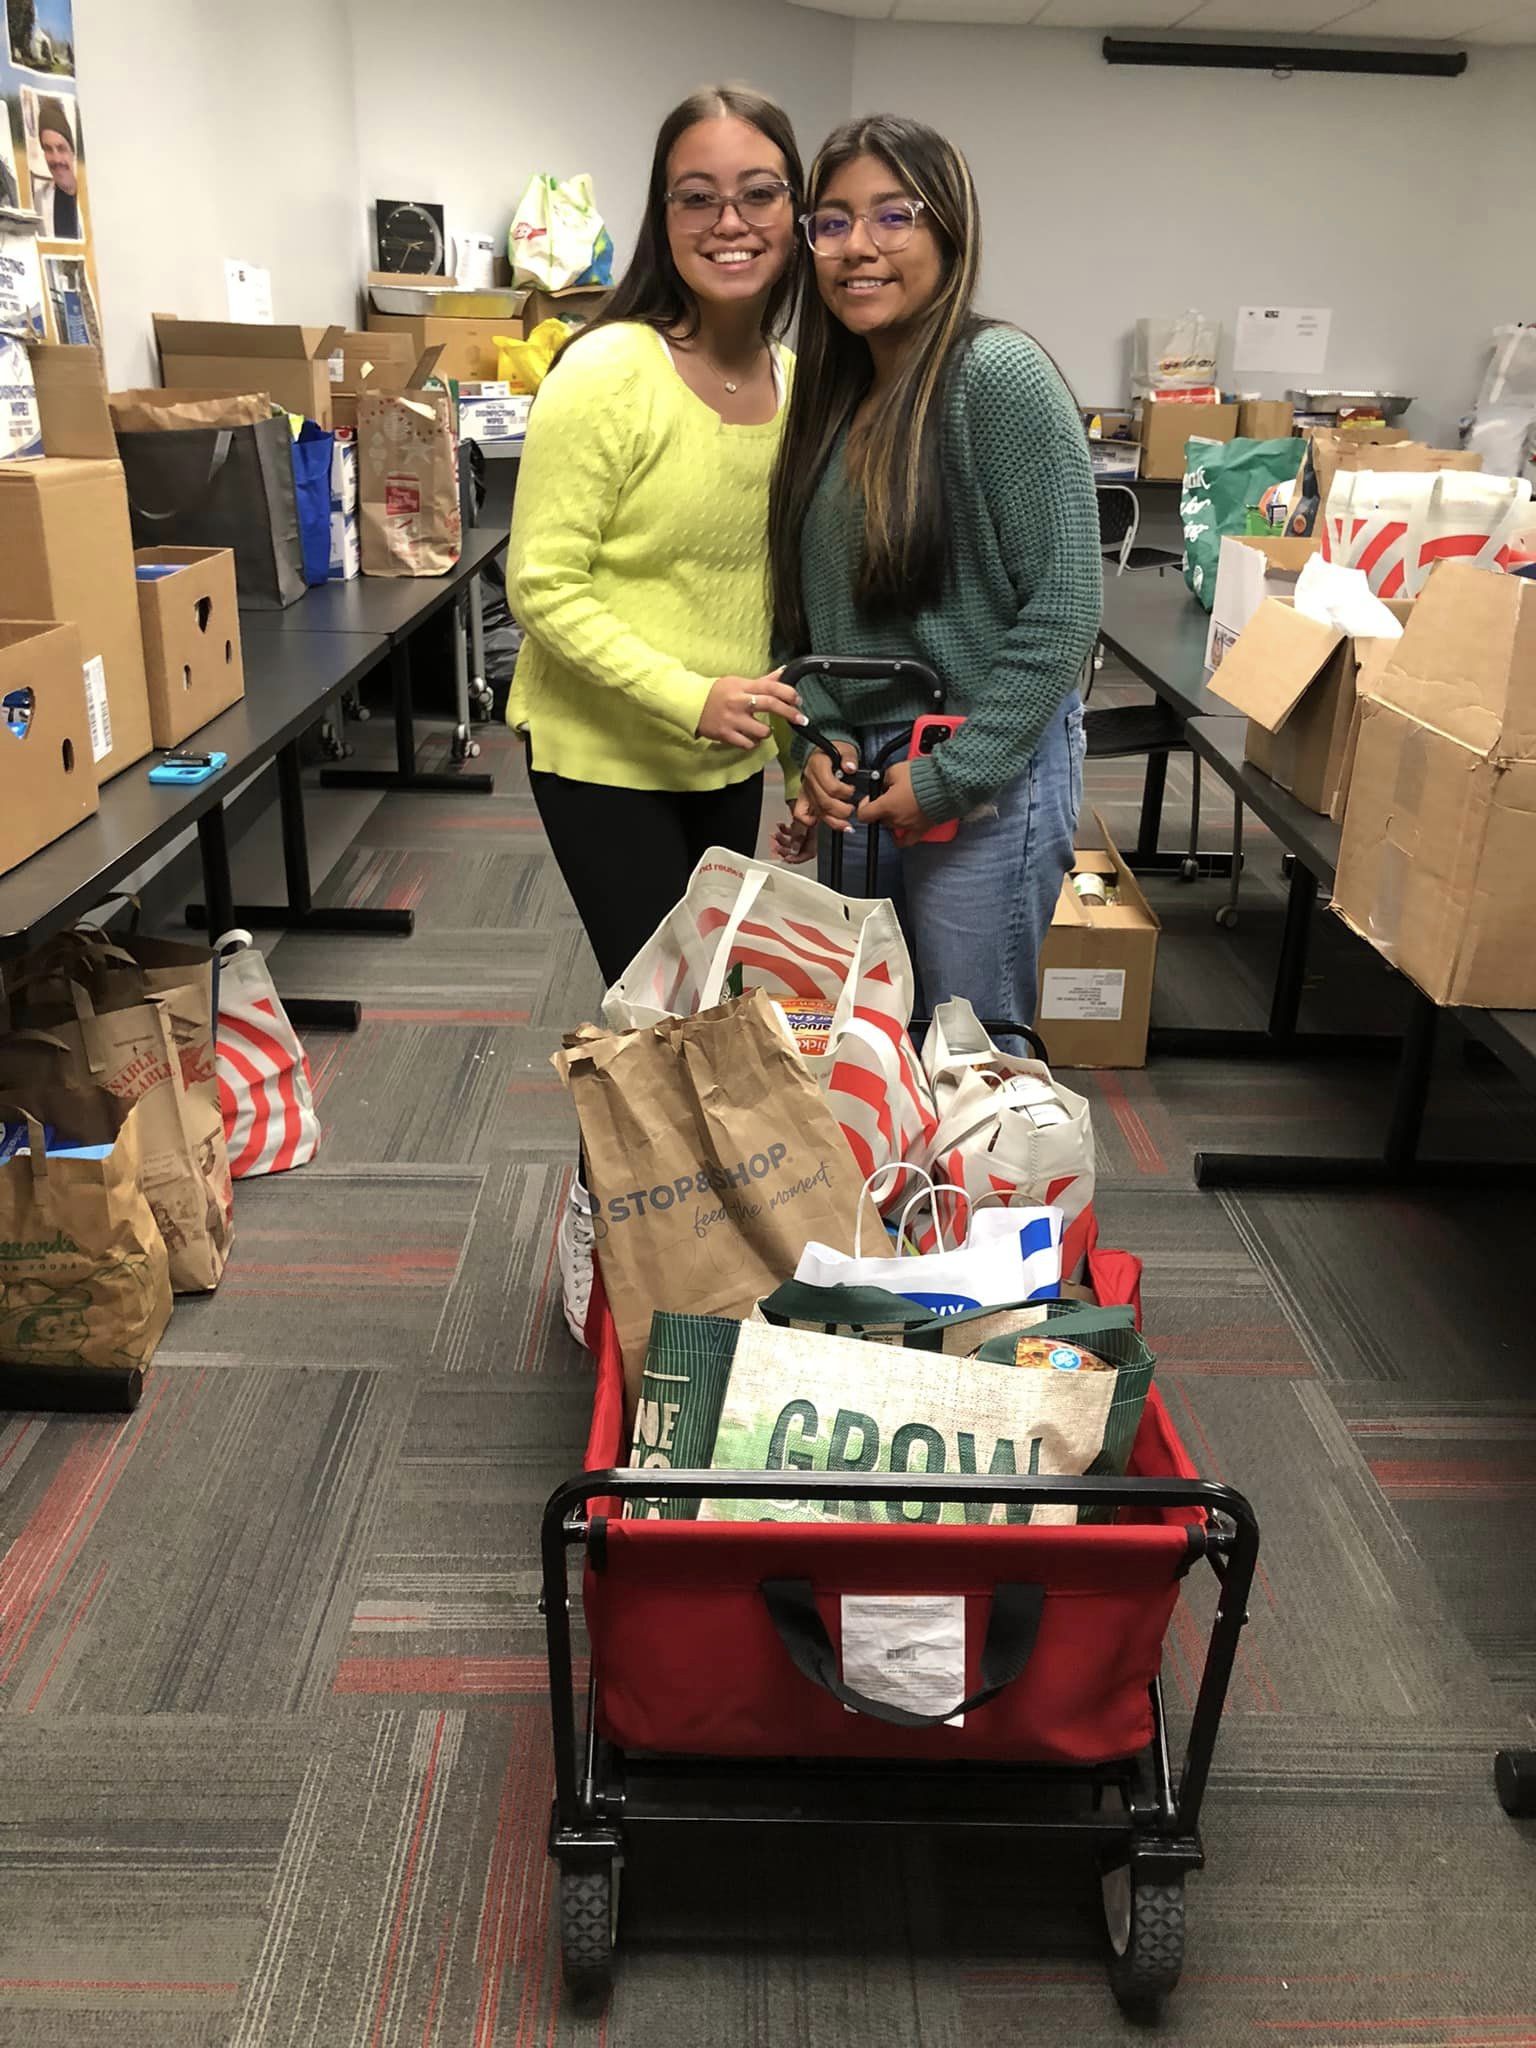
(976, 910)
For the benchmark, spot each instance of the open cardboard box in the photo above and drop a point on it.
(191, 628)
(1296, 679)
(1439, 849)
(45, 738)
(1250, 568)
(66, 550)
(293, 363)
(1097, 967)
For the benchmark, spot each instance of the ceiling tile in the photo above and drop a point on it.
(1516, 26)
(1261, 17)
(864, 10)
(1417, 20)
(1109, 14)
(1016, 12)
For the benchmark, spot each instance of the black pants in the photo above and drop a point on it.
(626, 854)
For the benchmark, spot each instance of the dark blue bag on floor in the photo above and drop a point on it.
(312, 490)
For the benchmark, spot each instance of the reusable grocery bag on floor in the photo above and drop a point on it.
(83, 1273)
(837, 966)
(266, 1092)
(1006, 1127)
(711, 1158)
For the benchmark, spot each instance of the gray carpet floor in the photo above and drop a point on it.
(272, 1699)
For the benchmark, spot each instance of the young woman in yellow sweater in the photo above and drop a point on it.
(639, 541)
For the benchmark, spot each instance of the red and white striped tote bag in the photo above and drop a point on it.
(265, 1089)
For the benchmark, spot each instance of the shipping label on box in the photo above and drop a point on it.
(1096, 967)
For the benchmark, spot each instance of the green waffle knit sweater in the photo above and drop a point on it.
(1021, 605)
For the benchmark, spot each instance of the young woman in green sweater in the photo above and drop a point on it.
(636, 568)
(933, 499)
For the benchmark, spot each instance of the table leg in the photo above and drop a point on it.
(1398, 1163)
(318, 1013)
(300, 913)
(1151, 809)
(1280, 1039)
(406, 775)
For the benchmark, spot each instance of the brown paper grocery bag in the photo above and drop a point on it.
(83, 1271)
(132, 1054)
(160, 411)
(407, 483)
(712, 1158)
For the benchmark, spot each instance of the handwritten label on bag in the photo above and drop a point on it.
(906, 1651)
(1095, 995)
(98, 709)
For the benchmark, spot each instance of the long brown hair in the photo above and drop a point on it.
(905, 537)
(651, 290)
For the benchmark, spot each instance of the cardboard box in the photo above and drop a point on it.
(191, 628)
(381, 377)
(468, 346)
(1165, 426)
(346, 550)
(578, 302)
(1097, 966)
(492, 412)
(1266, 419)
(293, 363)
(66, 551)
(21, 432)
(1250, 568)
(344, 473)
(1439, 851)
(46, 783)
(1297, 682)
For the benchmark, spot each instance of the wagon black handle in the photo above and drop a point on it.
(867, 668)
(1012, 1626)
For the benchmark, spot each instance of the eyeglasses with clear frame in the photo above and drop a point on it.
(758, 205)
(890, 226)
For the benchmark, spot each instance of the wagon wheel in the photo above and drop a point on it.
(589, 1923)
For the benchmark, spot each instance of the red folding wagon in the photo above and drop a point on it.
(715, 1689)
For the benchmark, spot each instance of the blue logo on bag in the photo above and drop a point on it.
(942, 1304)
(1065, 1359)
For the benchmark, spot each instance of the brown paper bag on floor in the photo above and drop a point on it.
(712, 1158)
(119, 972)
(132, 1054)
(83, 1271)
(407, 483)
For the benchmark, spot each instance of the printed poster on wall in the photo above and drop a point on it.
(44, 186)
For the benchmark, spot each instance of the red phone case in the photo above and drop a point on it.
(941, 724)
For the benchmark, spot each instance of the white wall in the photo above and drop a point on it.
(1109, 193)
(466, 114)
(215, 130)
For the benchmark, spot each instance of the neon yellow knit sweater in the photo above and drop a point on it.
(637, 568)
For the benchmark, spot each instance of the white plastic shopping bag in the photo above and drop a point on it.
(555, 232)
(1007, 1129)
(1007, 1256)
(1396, 524)
(837, 967)
(265, 1089)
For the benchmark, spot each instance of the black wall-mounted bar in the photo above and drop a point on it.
(1287, 57)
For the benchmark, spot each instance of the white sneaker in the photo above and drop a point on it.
(574, 1241)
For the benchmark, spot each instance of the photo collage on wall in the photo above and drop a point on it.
(47, 270)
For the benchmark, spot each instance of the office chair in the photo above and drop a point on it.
(1119, 524)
